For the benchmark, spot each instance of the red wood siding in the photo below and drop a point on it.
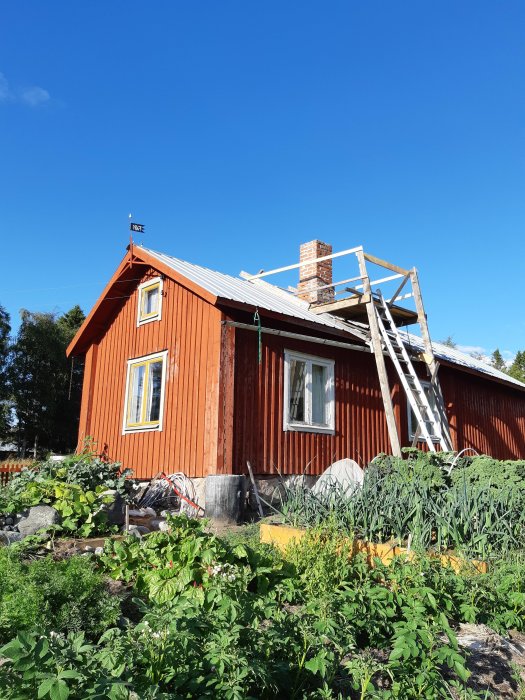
(483, 414)
(360, 425)
(190, 330)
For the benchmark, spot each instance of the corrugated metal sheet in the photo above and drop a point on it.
(257, 293)
(444, 352)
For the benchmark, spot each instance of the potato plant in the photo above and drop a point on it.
(210, 619)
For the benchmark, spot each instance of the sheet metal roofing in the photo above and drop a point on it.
(261, 294)
(257, 293)
(445, 352)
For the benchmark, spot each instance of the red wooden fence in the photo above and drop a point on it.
(9, 468)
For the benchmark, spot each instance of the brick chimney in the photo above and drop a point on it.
(315, 275)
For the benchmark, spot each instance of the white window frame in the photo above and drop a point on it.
(142, 289)
(435, 438)
(143, 427)
(307, 425)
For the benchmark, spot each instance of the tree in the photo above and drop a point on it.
(68, 405)
(517, 368)
(5, 330)
(449, 342)
(44, 388)
(497, 361)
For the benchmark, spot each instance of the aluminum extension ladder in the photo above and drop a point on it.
(432, 422)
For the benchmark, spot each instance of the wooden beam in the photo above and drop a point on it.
(405, 296)
(226, 401)
(380, 361)
(298, 336)
(304, 263)
(384, 263)
(398, 290)
(384, 279)
(329, 286)
(333, 306)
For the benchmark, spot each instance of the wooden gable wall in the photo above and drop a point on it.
(190, 329)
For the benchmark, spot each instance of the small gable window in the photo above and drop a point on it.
(150, 301)
(309, 403)
(145, 393)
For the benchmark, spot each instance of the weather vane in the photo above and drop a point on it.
(134, 228)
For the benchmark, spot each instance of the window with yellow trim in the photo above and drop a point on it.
(150, 301)
(145, 393)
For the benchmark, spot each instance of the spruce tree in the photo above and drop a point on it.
(497, 361)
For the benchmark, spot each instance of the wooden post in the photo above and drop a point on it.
(380, 359)
(226, 399)
(422, 319)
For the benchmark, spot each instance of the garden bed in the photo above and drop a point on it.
(282, 536)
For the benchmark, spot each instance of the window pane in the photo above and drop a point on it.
(151, 301)
(154, 387)
(319, 394)
(297, 391)
(137, 392)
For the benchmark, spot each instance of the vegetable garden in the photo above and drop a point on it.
(187, 614)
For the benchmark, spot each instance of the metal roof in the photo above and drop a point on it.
(263, 295)
(256, 293)
(449, 354)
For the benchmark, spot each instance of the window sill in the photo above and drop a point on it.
(294, 428)
(148, 320)
(142, 429)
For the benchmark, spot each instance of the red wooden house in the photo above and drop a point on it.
(179, 376)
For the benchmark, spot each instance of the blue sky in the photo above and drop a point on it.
(237, 130)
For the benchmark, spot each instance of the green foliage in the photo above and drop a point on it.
(488, 472)
(477, 509)
(87, 470)
(44, 387)
(5, 329)
(166, 563)
(497, 361)
(47, 596)
(82, 512)
(517, 368)
(220, 620)
(75, 487)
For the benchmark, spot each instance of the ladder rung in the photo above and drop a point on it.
(392, 340)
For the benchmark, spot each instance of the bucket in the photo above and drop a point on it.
(225, 495)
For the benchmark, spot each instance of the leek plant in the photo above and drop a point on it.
(416, 500)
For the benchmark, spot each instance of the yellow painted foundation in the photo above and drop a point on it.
(282, 535)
